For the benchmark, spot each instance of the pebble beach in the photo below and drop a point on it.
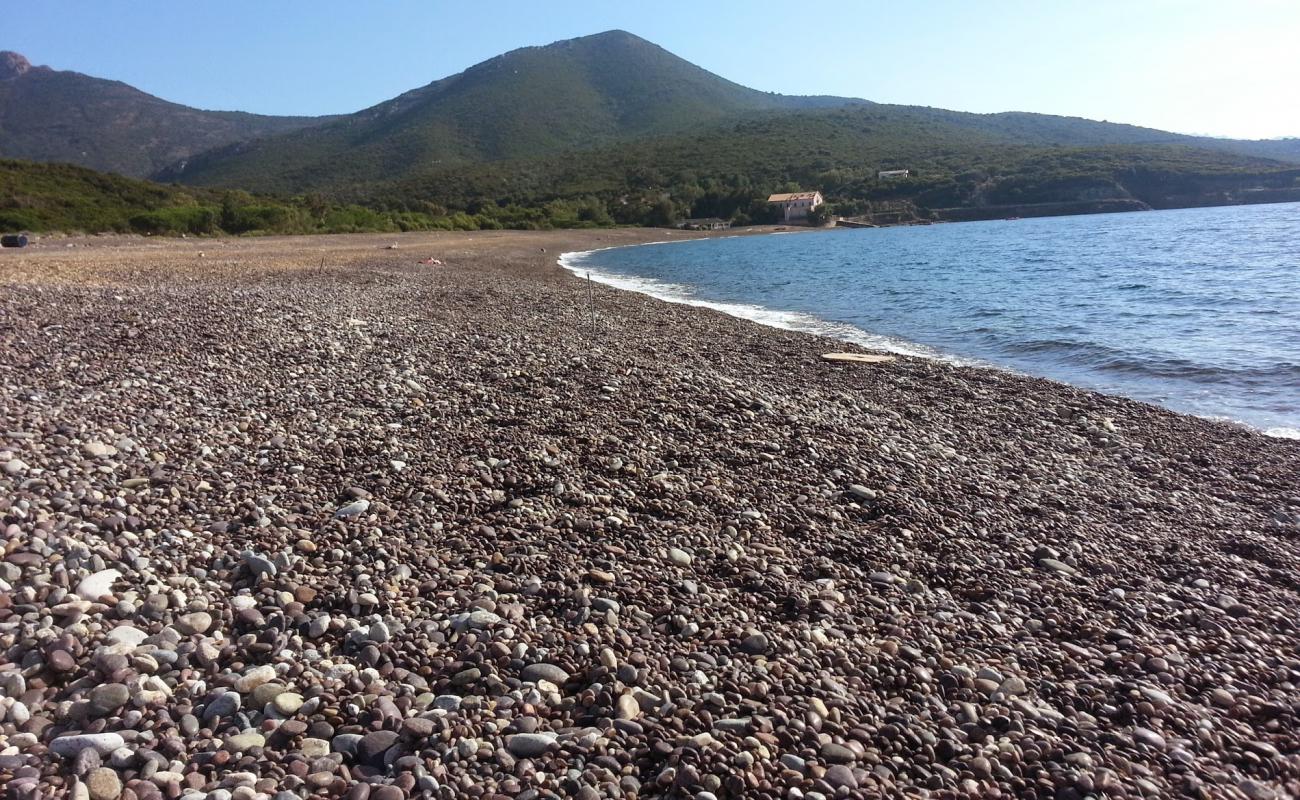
(294, 518)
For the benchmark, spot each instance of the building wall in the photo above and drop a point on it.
(798, 209)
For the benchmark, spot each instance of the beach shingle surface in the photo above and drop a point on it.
(668, 554)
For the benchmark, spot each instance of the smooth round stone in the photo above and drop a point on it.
(1222, 698)
(1149, 738)
(259, 566)
(861, 492)
(70, 746)
(243, 742)
(288, 703)
(93, 587)
(127, 634)
(223, 705)
(254, 678)
(86, 761)
(103, 784)
(793, 762)
(466, 676)
(1060, 567)
(353, 509)
(605, 605)
(626, 707)
(373, 745)
(838, 775)
(194, 623)
(108, 697)
(529, 745)
(346, 743)
(838, 753)
(417, 727)
(19, 714)
(544, 672)
(679, 557)
(61, 661)
(314, 748)
(266, 693)
(122, 758)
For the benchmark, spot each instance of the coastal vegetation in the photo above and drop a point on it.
(61, 197)
(633, 186)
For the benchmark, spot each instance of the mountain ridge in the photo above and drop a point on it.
(538, 100)
(583, 94)
(54, 115)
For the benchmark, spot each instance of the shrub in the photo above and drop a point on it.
(263, 218)
(460, 221)
(185, 219)
(19, 221)
(355, 219)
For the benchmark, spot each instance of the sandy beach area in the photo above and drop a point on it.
(303, 517)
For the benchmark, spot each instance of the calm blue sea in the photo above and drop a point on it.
(1197, 310)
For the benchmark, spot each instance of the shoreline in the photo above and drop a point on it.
(384, 530)
(812, 324)
(793, 321)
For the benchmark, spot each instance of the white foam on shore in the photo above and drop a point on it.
(787, 320)
(797, 320)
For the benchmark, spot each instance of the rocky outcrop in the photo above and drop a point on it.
(13, 65)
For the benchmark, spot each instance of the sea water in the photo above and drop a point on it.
(1197, 310)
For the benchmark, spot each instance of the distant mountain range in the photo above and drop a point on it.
(603, 115)
(51, 115)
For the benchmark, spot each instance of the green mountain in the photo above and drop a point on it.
(600, 93)
(51, 115)
(574, 94)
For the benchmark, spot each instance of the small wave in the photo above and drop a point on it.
(1283, 433)
(1108, 359)
(1181, 368)
(786, 320)
(1083, 351)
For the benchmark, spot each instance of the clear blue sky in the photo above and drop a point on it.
(1221, 67)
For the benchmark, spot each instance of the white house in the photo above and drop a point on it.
(796, 205)
(890, 174)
